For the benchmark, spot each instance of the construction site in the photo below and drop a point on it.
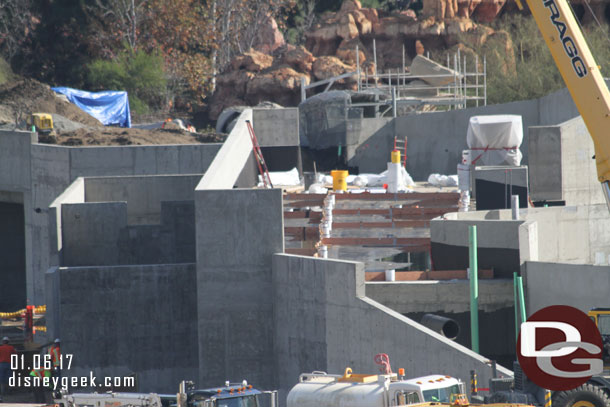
(406, 218)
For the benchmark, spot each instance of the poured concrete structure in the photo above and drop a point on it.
(324, 321)
(562, 167)
(39, 173)
(119, 320)
(583, 286)
(572, 234)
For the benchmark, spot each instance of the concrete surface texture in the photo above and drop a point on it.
(151, 221)
(276, 127)
(42, 172)
(440, 296)
(225, 169)
(562, 167)
(237, 231)
(572, 234)
(498, 242)
(436, 140)
(121, 320)
(578, 285)
(325, 322)
(143, 194)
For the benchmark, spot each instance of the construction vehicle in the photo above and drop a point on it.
(42, 122)
(594, 393)
(230, 395)
(319, 389)
(581, 75)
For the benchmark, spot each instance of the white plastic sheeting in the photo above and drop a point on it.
(439, 180)
(495, 140)
(284, 178)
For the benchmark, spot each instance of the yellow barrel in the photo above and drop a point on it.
(395, 157)
(339, 180)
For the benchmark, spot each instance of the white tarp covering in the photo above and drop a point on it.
(495, 140)
(284, 178)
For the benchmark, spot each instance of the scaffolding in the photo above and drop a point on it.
(396, 87)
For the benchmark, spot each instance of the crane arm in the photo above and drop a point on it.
(581, 75)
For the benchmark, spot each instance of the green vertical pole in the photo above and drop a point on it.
(521, 299)
(516, 300)
(474, 289)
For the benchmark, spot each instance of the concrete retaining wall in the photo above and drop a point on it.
(579, 285)
(572, 234)
(325, 322)
(152, 222)
(498, 243)
(42, 172)
(276, 127)
(436, 140)
(562, 167)
(143, 195)
(120, 320)
(237, 233)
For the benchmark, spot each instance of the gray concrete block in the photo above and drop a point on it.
(276, 127)
(90, 233)
(15, 160)
(237, 232)
(581, 286)
(130, 319)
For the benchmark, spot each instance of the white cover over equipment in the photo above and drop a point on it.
(501, 135)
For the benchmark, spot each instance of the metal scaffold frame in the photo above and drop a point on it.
(466, 88)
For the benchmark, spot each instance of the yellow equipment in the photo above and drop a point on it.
(581, 75)
(601, 317)
(42, 121)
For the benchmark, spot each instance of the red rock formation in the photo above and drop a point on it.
(487, 10)
(298, 58)
(326, 67)
(269, 37)
(252, 60)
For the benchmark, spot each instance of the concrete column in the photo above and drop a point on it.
(237, 231)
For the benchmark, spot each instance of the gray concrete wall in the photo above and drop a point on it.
(143, 194)
(498, 243)
(325, 322)
(367, 140)
(578, 285)
(562, 167)
(237, 233)
(440, 296)
(122, 320)
(572, 234)
(42, 172)
(99, 234)
(436, 140)
(141, 160)
(276, 127)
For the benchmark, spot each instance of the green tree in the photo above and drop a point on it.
(139, 73)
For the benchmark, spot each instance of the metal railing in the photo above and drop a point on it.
(461, 88)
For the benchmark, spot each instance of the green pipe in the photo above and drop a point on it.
(521, 299)
(474, 288)
(516, 302)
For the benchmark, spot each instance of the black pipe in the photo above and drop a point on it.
(447, 327)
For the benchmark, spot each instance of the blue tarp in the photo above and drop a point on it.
(109, 107)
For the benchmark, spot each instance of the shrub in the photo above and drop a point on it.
(139, 73)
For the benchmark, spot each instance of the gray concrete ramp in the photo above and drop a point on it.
(325, 322)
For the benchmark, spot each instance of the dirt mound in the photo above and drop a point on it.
(20, 98)
(113, 136)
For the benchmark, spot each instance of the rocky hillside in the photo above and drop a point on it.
(274, 71)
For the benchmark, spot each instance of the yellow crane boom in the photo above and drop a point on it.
(581, 75)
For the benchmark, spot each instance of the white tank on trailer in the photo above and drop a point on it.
(319, 389)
